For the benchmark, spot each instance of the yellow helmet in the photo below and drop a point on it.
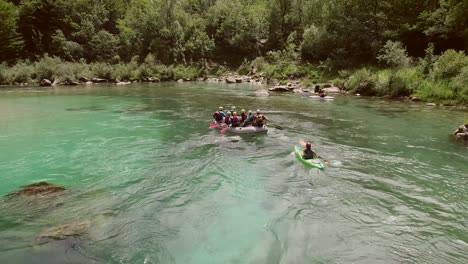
(233, 107)
(220, 108)
(250, 111)
(235, 113)
(228, 113)
(243, 111)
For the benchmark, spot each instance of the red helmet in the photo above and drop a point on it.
(308, 146)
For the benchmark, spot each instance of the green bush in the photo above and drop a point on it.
(382, 80)
(259, 63)
(449, 64)
(102, 70)
(283, 71)
(5, 74)
(394, 55)
(357, 79)
(22, 72)
(186, 72)
(404, 82)
(244, 68)
(439, 91)
(47, 67)
(122, 72)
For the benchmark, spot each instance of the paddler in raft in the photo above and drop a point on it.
(228, 118)
(259, 120)
(233, 109)
(235, 121)
(248, 119)
(219, 115)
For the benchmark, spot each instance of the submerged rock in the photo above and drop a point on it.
(84, 108)
(41, 188)
(64, 231)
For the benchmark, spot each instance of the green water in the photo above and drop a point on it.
(158, 186)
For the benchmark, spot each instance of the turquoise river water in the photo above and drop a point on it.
(157, 186)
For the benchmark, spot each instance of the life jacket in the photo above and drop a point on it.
(244, 117)
(227, 120)
(235, 120)
(308, 154)
(217, 116)
(258, 120)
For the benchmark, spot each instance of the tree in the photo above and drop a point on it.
(104, 46)
(10, 41)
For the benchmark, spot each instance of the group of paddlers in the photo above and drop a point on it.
(233, 119)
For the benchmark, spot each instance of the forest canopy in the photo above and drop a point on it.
(347, 32)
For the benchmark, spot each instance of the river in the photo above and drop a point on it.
(158, 186)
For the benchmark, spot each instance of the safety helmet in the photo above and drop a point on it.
(308, 146)
(258, 111)
(220, 108)
(250, 111)
(243, 111)
(235, 113)
(233, 107)
(228, 113)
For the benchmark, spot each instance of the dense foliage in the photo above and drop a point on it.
(346, 32)
(312, 39)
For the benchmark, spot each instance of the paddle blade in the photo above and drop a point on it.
(302, 142)
(223, 131)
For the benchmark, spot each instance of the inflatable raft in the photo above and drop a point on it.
(313, 163)
(250, 130)
(217, 125)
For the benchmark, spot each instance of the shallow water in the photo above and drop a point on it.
(158, 186)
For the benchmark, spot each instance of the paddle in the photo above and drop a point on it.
(223, 131)
(303, 143)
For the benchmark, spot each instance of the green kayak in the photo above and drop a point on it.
(314, 163)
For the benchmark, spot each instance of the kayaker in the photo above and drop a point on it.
(308, 153)
(259, 120)
(235, 121)
(461, 131)
(219, 115)
(228, 118)
(317, 89)
(249, 118)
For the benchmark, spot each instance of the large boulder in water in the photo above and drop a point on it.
(230, 80)
(281, 88)
(331, 90)
(45, 82)
(262, 93)
(38, 189)
(64, 231)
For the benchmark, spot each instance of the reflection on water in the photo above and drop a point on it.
(155, 185)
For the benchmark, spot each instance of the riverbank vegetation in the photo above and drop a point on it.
(376, 48)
